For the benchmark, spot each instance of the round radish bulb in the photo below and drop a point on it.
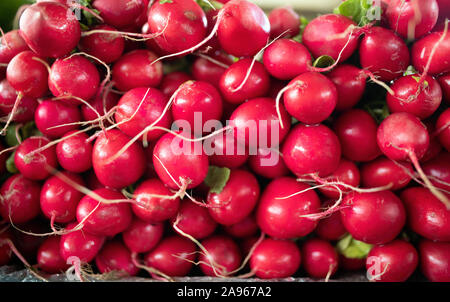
(319, 258)
(74, 153)
(82, 245)
(11, 44)
(284, 20)
(227, 151)
(350, 82)
(274, 258)
(223, 258)
(439, 170)
(383, 171)
(102, 103)
(374, 218)
(51, 114)
(172, 81)
(444, 81)
(20, 199)
(136, 69)
(48, 257)
(50, 29)
(268, 163)
(203, 69)
(331, 227)
(195, 220)
(348, 173)
(443, 126)
(119, 13)
(244, 228)
(435, 260)
(105, 47)
(142, 237)
(114, 256)
(26, 107)
(422, 49)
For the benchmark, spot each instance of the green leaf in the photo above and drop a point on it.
(378, 109)
(10, 137)
(165, 1)
(217, 178)
(323, 61)
(352, 248)
(360, 11)
(410, 70)
(10, 165)
(208, 5)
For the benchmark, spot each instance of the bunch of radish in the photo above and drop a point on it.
(172, 138)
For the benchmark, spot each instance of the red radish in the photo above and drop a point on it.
(74, 153)
(141, 237)
(26, 107)
(422, 49)
(357, 133)
(384, 54)
(195, 220)
(422, 100)
(150, 169)
(392, 262)
(120, 13)
(140, 107)
(350, 82)
(331, 35)
(438, 169)
(204, 69)
(48, 257)
(51, 114)
(154, 209)
(351, 264)
(268, 163)
(11, 44)
(235, 89)
(383, 171)
(412, 19)
(280, 217)
(102, 103)
(59, 200)
(34, 165)
(275, 259)
(223, 257)
(300, 150)
(19, 199)
(92, 181)
(444, 9)
(137, 69)
(256, 124)
(435, 260)
(245, 228)
(347, 172)
(427, 216)
(74, 76)
(114, 256)
(374, 218)
(6, 253)
(50, 29)
(443, 128)
(172, 81)
(435, 146)
(444, 81)
(106, 47)
(320, 259)
(228, 152)
(330, 228)
(180, 163)
(28, 74)
(284, 19)
(197, 102)
(173, 256)
(82, 245)
(118, 172)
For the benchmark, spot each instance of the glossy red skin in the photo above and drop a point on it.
(439, 168)
(237, 199)
(435, 260)
(149, 111)
(244, 228)
(401, 134)
(135, 69)
(383, 53)
(5, 250)
(319, 258)
(350, 83)
(351, 264)
(444, 81)
(75, 76)
(256, 124)
(383, 171)
(183, 159)
(396, 262)
(300, 150)
(421, 51)
(163, 256)
(141, 237)
(374, 218)
(275, 259)
(20, 199)
(317, 36)
(183, 24)
(172, 81)
(257, 84)
(155, 209)
(222, 252)
(244, 28)
(111, 99)
(59, 200)
(427, 216)
(107, 219)
(26, 108)
(75, 153)
(443, 125)
(262, 164)
(228, 152)
(48, 257)
(50, 29)
(120, 13)
(27, 75)
(122, 171)
(347, 172)
(401, 14)
(197, 97)
(106, 47)
(280, 218)
(312, 98)
(195, 220)
(114, 256)
(207, 71)
(11, 44)
(80, 244)
(357, 133)
(330, 228)
(284, 19)
(35, 167)
(285, 59)
(54, 113)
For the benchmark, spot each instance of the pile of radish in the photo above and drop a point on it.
(170, 138)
